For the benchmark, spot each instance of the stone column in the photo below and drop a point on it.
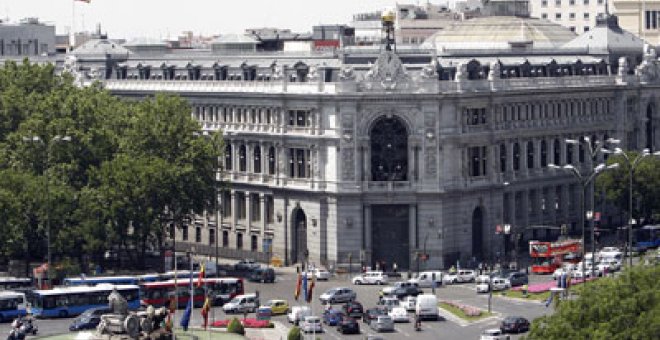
(262, 204)
(235, 209)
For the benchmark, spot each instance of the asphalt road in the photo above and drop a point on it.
(368, 296)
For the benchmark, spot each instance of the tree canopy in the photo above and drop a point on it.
(106, 173)
(625, 307)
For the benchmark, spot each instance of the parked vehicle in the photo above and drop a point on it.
(278, 306)
(493, 334)
(399, 284)
(262, 275)
(382, 323)
(241, 304)
(311, 324)
(65, 302)
(514, 324)
(497, 284)
(427, 306)
(12, 305)
(331, 317)
(337, 295)
(372, 313)
(298, 313)
(428, 278)
(348, 325)
(371, 277)
(567, 268)
(399, 314)
(353, 309)
(89, 319)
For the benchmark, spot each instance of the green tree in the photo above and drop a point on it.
(646, 185)
(626, 307)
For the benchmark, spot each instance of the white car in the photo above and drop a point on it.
(389, 302)
(311, 324)
(493, 334)
(567, 268)
(320, 274)
(399, 314)
(298, 313)
(498, 284)
(372, 278)
(461, 276)
(409, 303)
(482, 279)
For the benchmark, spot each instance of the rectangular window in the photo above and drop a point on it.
(226, 204)
(475, 116)
(571, 16)
(586, 16)
(571, 2)
(240, 205)
(572, 28)
(255, 207)
(300, 118)
(211, 237)
(558, 17)
(225, 238)
(254, 243)
(477, 159)
(544, 15)
(269, 201)
(299, 163)
(654, 19)
(544, 3)
(647, 22)
(198, 234)
(586, 28)
(557, 3)
(586, 2)
(184, 233)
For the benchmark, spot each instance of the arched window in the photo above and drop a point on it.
(516, 157)
(228, 157)
(556, 148)
(271, 160)
(530, 155)
(256, 160)
(502, 157)
(544, 154)
(242, 161)
(389, 150)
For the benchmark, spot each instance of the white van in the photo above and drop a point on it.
(242, 303)
(297, 314)
(427, 278)
(427, 306)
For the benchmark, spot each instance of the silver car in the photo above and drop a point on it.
(383, 323)
(337, 295)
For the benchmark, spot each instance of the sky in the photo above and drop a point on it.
(164, 19)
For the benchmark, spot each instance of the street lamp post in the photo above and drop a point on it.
(585, 180)
(46, 143)
(632, 165)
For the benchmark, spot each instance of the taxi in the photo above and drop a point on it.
(278, 306)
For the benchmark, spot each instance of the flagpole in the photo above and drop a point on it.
(73, 25)
(192, 290)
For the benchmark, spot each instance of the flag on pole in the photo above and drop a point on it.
(311, 289)
(202, 273)
(304, 286)
(296, 293)
(185, 319)
(205, 311)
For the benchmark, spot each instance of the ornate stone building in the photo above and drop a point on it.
(383, 154)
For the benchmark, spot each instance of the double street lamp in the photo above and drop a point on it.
(585, 178)
(46, 144)
(632, 165)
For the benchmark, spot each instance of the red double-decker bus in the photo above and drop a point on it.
(548, 256)
(221, 290)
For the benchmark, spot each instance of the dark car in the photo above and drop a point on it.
(348, 325)
(262, 275)
(89, 319)
(373, 313)
(402, 292)
(331, 317)
(514, 324)
(246, 265)
(517, 279)
(353, 309)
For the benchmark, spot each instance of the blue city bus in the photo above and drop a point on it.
(12, 305)
(115, 280)
(8, 283)
(647, 237)
(70, 301)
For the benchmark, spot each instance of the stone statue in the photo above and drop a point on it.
(122, 324)
(495, 71)
(461, 72)
(623, 66)
(430, 70)
(346, 73)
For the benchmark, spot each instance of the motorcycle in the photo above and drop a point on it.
(21, 328)
(29, 327)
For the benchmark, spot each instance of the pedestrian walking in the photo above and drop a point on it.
(394, 267)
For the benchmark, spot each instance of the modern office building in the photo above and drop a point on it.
(382, 155)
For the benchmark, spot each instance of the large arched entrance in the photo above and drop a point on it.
(477, 233)
(389, 235)
(389, 150)
(299, 241)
